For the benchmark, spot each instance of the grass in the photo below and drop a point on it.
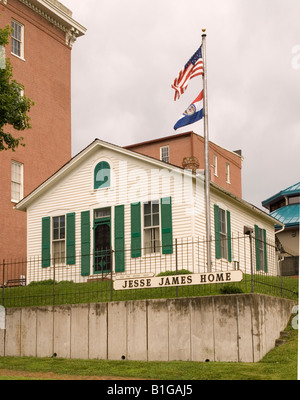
(279, 364)
(47, 293)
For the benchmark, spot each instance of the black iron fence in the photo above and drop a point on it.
(118, 276)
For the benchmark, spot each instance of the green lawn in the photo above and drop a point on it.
(279, 364)
(46, 293)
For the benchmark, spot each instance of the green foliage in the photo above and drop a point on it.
(230, 289)
(13, 105)
(4, 35)
(179, 272)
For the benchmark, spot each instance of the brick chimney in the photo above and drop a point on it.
(191, 163)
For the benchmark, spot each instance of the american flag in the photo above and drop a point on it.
(192, 68)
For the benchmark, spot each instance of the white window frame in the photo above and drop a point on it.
(215, 165)
(227, 172)
(60, 241)
(19, 40)
(151, 229)
(165, 157)
(261, 247)
(223, 233)
(19, 182)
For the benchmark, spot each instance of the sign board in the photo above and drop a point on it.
(2, 317)
(177, 280)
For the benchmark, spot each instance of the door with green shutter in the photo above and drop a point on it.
(102, 241)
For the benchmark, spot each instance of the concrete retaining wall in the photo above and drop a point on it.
(240, 327)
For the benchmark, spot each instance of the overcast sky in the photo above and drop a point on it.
(122, 71)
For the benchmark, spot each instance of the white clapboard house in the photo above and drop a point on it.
(110, 210)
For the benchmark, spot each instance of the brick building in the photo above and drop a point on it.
(187, 150)
(40, 53)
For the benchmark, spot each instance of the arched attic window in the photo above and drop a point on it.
(102, 175)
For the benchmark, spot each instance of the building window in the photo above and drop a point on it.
(17, 39)
(151, 227)
(59, 239)
(164, 154)
(223, 233)
(294, 200)
(102, 175)
(16, 181)
(215, 165)
(261, 249)
(227, 173)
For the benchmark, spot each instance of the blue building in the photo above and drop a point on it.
(285, 207)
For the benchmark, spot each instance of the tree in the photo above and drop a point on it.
(14, 105)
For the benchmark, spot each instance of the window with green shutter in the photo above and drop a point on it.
(46, 242)
(71, 239)
(151, 227)
(222, 233)
(166, 225)
(85, 243)
(119, 239)
(136, 230)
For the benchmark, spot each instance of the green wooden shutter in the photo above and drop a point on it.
(85, 243)
(265, 251)
(166, 225)
(119, 239)
(229, 236)
(136, 230)
(46, 242)
(257, 248)
(71, 239)
(217, 231)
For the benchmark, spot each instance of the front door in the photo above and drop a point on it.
(102, 245)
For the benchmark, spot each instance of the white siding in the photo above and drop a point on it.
(137, 180)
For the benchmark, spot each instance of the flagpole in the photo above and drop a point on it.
(206, 152)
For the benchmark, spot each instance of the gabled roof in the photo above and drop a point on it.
(75, 161)
(290, 191)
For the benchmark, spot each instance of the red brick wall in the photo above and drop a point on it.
(46, 75)
(190, 144)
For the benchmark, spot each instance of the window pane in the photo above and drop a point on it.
(55, 222)
(155, 207)
(147, 220)
(155, 219)
(147, 208)
(55, 234)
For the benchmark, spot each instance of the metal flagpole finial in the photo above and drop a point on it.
(204, 32)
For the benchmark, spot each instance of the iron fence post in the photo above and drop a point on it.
(54, 281)
(176, 260)
(251, 263)
(111, 275)
(3, 275)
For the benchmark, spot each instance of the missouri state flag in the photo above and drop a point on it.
(192, 114)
